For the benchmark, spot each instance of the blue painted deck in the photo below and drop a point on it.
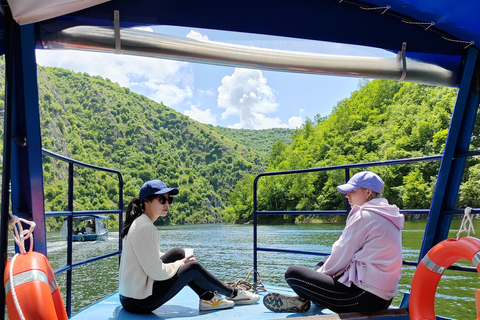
(185, 306)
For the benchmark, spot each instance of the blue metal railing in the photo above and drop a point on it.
(70, 213)
(346, 168)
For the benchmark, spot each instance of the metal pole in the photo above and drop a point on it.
(141, 43)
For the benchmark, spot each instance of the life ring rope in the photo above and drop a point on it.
(19, 235)
(12, 286)
(467, 223)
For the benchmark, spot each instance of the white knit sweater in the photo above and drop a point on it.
(140, 264)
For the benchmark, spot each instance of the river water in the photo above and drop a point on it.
(227, 251)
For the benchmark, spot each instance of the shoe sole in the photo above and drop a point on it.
(244, 301)
(219, 307)
(277, 302)
(215, 308)
(216, 305)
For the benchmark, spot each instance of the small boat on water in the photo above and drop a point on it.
(87, 228)
(437, 44)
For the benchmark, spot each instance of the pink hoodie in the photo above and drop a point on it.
(369, 251)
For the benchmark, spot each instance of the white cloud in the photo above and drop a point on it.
(245, 93)
(160, 80)
(149, 29)
(196, 35)
(207, 92)
(295, 122)
(201, 115)
(170, 94)
(259, 121)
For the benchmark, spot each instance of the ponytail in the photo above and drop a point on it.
(134, 210)
(374, 195)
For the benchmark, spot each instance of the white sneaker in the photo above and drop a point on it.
(245, 297)
(277, 302)
(216, 303)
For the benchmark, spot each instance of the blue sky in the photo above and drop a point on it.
(218, 95)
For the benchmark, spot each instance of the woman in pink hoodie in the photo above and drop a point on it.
(365, 266)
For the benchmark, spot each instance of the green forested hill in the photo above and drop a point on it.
(95, 121)
(258, 140)
(383, 120)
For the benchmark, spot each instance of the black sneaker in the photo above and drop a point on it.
(277, 302)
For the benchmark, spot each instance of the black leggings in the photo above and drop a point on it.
(325, 291)
(192, 274)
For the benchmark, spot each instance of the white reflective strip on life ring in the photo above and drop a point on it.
(476, 259)
(432, 265)
(25, 277)
(53, 285)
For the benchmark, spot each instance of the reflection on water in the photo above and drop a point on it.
(227, 251)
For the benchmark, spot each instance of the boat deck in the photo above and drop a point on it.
(185, 306)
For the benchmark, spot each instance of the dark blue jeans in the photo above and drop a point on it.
(192, 274)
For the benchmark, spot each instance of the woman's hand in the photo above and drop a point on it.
(189, 259)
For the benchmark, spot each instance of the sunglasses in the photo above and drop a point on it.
(164, 199)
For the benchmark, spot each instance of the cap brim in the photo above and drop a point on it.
(171, 191)
(345, 188)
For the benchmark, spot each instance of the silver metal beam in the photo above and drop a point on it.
(143, 43)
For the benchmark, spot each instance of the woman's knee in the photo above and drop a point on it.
(178, 252)
(294, 271)
(191, 266)
(173, 255)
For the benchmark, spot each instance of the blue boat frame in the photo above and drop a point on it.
(70, 213)
(22, 176)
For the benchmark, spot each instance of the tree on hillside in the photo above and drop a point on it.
(383, 120)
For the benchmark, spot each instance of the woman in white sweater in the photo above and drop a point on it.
(149, 277)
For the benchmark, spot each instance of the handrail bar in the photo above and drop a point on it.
(70, 213)
(87, 261)
(469, 153)
(340, 212)
(313, 253)
(80, 213)
(352, 166)
(77, 162)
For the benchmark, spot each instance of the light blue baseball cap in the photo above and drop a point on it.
(363, 179)
(155, 187)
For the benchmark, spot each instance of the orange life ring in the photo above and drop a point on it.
(35, 293)
(430, 270)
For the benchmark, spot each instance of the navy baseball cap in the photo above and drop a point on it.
(363, 179)
(155, 187)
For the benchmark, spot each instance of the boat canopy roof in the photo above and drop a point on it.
(434, 31)
(88, 217)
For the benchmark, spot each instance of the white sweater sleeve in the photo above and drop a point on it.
(145, 242)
